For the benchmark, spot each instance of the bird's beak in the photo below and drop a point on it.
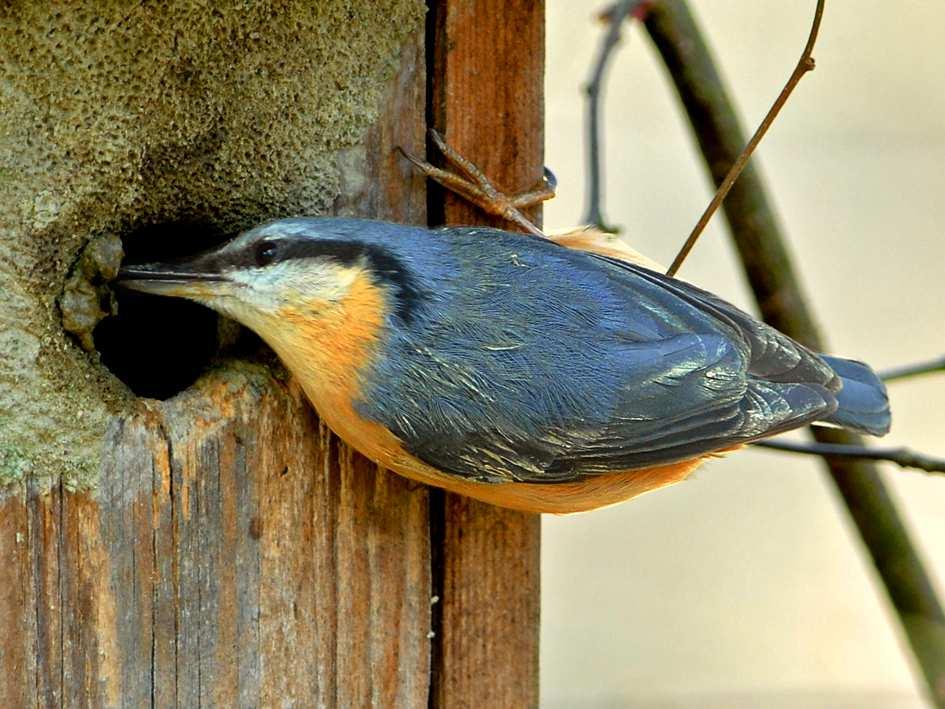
(198, 278)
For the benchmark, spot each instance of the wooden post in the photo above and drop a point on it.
(228, 550)
(231, 552)
(487, 100)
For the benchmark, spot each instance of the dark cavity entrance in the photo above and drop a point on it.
(158, 346)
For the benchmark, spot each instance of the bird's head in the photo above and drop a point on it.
(292, 273)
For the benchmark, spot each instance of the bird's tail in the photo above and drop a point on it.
(863, 405)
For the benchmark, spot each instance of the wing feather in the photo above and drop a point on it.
(606, 366)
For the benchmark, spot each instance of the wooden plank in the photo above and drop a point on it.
(44, 551)
(20, 614)
(487, 100)
(236, 555)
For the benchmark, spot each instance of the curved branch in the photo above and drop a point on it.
(903, 457)
(804, 65)
(614, 16)
(770, 271)
(907, 371)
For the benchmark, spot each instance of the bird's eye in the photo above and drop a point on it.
(265, 253)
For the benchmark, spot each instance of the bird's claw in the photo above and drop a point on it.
(470, 183)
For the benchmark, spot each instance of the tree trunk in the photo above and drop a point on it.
(219, 546)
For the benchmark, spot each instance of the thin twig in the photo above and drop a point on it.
(771, 273)
(804, 65)
(903, 457)
(908, 371)
(614, 16)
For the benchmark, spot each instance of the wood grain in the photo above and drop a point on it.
(487, 100)
(235, 553)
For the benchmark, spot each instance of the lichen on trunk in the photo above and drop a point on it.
(115, 116)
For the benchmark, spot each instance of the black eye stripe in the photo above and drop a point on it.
(383, 265)
(345, 252)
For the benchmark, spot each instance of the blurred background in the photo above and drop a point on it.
(747, 586)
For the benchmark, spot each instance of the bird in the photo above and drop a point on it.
(556, 375)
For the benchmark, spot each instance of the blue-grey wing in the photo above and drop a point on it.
(565, 364)
(687, 396)
(744, 382)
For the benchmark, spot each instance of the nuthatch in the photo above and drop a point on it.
(514, 369)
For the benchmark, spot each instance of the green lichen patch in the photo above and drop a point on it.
(13, 464)
(115, 115)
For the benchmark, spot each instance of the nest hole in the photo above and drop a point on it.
(158, 346)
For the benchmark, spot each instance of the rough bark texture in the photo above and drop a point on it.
(117, 116)
(223, 549)
(487, 100)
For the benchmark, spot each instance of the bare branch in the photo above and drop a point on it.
(804, 65)
(908, 371)
(614, 16)
(771, 273)
(903, 457)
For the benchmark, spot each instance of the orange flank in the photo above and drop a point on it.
(327, 348)
(589, 493)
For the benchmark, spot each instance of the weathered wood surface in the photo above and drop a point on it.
(487, 99)
(235, 554)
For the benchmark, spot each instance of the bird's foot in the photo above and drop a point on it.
(469, 182)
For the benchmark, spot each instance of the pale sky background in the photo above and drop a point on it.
(747, 586)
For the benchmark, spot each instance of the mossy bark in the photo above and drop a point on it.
(115, 116)
(220, 547)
